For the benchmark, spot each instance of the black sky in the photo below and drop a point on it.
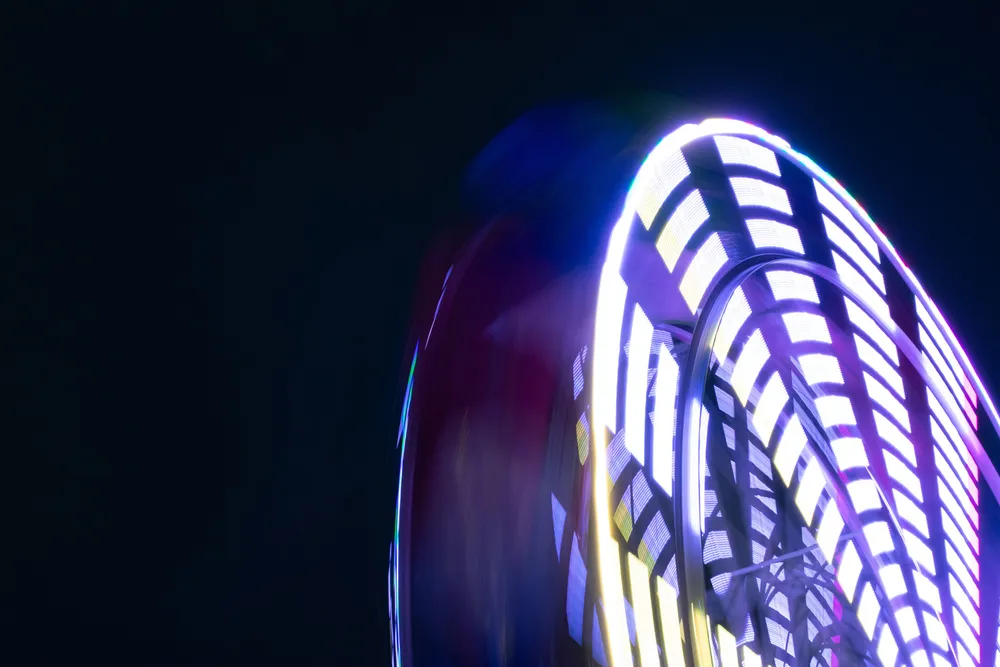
(212, 230)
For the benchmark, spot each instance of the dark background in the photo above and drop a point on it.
(211, 234)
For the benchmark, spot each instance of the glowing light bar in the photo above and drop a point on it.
(707, 262)
(772, 400)
(790, 445)
(642, 607)
(840, 212)
(670, 624)
(952, 431)
(907, 623)
(654, 183)
(752, 358)
(820, 368)
(750, 658)
(953, 501)
(881, 395)
(736, 314)
(614, 602)
(735, 150)
(935, 332)
(689, 215)
(806, 327)
(810, 487)
(962, 602)
(850, 453)
(879, 538)
(871, 358)
(864, 495)
(853, 252)
(871, 328)
(935, 630)
(964, 633)
(664, 424)
(727, 648)
(640, 342)
(908, 511)
(918, 550)
(610, 311)
(892, 580)
(773, 234)
(927, 590)
(754, 192)
(948, 375)
(849, 570)
(888, 651)
(902, 475)
(960, 570)
(830, 528)
(835, 411)
(957, 475)
(960, 544)
(891, 434)
(868, 608)
(859, 284)
(789, 285)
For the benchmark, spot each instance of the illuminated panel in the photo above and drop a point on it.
(888, 651)
(734, 150)
(750, 658)
(806, 327)
(727, 648)
(883, 397)
(772, 234)
(707, 262)
(772, 399)
(952, 431)
(945, 349)
(850, 453)
(868, 608)
(891, 434)
(640, 342)
(927, 590)
(875, 361)
(752, 358)
(948, 375)
(685, 221)
(789, 449)
(820, 369)
(908, 511)
(834, 411)
(859, 285)
(736, 314)
(879, 538)
(654, 183)
(664, 420)
(907, 623)
(902, 475)
(610, 311)
(893, 582)
(670, 623)
(830, 528)
(849, 571)
(840, 212)
(810, 488)
(789, 285)
(864, 495)
(754, 192)
(642, 606)
(854, 253)
(870, 327)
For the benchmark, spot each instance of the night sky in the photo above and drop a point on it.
(213, 222)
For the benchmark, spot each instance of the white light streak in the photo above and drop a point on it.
(664, 413)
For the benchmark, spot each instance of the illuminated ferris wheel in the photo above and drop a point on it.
(745, 437)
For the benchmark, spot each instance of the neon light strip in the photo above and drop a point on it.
(844, 216)
(772, 234)
(860, 285)
(664, 420)
(670, 623)
(683, 223)
(875, 361)
(705, 265)
(754, 192)
(847, 245)
(404, 426)
(640, 342)
(642, 606)
(734, 150)
(789, 285)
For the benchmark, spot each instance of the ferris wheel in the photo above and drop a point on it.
(739, 433)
